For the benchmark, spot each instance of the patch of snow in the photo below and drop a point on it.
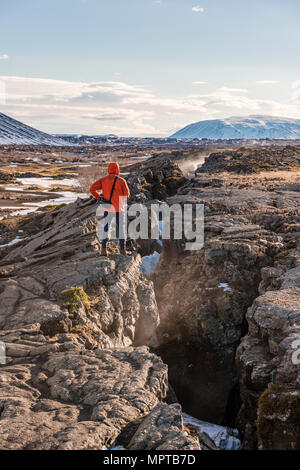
(22, 211)
(12, 187)
(10, 207)
(225, 438)
(142, 156)
(13, 242)
(113, 448)
(149, 263)
(224, 286)
(65, 198)
(47, 182)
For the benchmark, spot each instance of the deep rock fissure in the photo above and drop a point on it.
(184, 377)
(197, 381)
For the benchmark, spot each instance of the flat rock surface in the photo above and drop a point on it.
(78, 399)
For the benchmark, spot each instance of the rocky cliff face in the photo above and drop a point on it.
(156, 178)
(251, 239)
(69, 320)
(57, 279)
(204, 318)
(247, 161)
(268, 363)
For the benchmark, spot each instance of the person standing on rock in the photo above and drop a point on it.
(115, 191)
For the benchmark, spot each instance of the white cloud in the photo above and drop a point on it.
(266, 82)
(198, 9)
(60, 106)
(296, 91)
(233, 90)
(28, 89)
(198, 83)
(3, 56)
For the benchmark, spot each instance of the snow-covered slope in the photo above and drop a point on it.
(251, 127)
(13, 132)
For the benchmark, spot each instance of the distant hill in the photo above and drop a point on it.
(87, 139)
(251, 127)
(14, 132)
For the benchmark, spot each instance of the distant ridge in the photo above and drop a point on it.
(251, 127)
(13, 132)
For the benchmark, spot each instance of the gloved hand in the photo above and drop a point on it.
(92, 200)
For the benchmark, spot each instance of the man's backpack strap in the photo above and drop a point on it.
(112, 190)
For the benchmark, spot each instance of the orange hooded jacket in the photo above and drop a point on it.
(105, 184)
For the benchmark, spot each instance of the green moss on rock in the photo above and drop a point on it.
(72, 297)
(277, 404)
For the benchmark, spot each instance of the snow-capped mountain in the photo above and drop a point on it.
(14, 132)
(251, 127)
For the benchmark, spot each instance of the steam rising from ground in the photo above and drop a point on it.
(190, 165)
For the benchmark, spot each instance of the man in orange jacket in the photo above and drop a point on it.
(118, 196)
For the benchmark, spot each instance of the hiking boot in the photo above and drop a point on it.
(103, 252)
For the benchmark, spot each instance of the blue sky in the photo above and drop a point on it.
(147, 67)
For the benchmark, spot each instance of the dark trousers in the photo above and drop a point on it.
(120, 227)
